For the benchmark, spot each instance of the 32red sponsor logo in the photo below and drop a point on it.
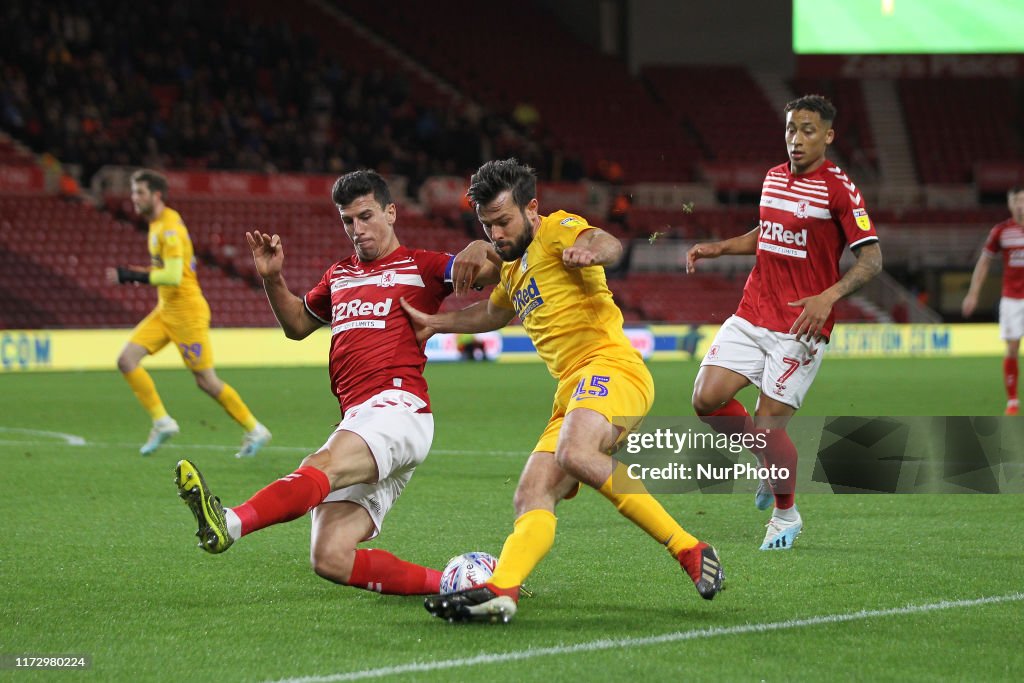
(359, 308)
(777, 232)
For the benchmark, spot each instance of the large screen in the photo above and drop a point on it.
(908, 26)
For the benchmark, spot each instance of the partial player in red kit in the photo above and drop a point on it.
(376, 366)
(1008, 238)
(810, 211)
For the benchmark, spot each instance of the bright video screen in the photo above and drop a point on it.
(908, 26)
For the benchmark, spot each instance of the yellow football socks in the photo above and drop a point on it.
(644, 511)
(236, 408)
(529, 542)
(144, 390)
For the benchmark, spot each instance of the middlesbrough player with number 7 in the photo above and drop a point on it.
(810, 211)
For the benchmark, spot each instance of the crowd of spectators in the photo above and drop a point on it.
(194, 84)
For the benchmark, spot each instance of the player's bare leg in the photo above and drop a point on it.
(345, 459)
(714, 401)
(542, 484)
(338, 528)
(714, 387)
(583, 443)
(130, 357)
(771, 418)
(336, 531)
(208, 381)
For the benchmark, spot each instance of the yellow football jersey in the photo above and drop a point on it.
(168, 238)
(568, 313)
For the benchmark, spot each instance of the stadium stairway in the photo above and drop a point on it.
(888, 123)
(945, 149)
(725, 91)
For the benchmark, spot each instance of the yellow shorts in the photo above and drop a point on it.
(190, 334)
(621, 390)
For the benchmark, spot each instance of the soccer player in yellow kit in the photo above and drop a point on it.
(181, 316)
(552, 277)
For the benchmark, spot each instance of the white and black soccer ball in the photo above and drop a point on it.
(467, 570)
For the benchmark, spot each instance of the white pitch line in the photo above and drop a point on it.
(69, 439)
(624, 643)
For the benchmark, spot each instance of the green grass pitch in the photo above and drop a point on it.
(98, 555)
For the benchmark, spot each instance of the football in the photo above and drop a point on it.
(467, 570)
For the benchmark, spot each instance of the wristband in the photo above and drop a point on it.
(128, 275)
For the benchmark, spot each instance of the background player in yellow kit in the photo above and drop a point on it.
(181, 316)
(552, 277)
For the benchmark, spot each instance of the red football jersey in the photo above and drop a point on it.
(806, 222)
(1008, 238)
(373, 345)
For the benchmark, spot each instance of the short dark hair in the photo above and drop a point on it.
(156, 182)
(1015, 189)
(495, 177)
(351, 186)
(818, 103)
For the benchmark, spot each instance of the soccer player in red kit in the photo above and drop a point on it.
(810, 211)
(1008, 238)
(376, 366)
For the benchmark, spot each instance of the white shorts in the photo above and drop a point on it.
(1011, 319)
(782, 367)
(399, 439)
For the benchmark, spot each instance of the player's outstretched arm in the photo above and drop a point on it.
(291, 313)
(170, 275)
(483, 316)
(734, 246)
(122, 275)
(817, 308)
(594, 247)
(477, 265)
(977, 280)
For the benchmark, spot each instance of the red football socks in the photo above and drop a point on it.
(780, 451)
(286, 499)
(1010, 378)
(380, 571)
(740, 422)
(512, 592)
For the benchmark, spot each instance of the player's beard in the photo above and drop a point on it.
(513, 250)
